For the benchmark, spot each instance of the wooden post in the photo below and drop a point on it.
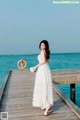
(72, 93)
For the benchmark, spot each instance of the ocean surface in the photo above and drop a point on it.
(57, 61)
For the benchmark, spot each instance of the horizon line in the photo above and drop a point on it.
(38, 53)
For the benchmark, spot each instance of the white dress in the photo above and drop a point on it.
(43, 89)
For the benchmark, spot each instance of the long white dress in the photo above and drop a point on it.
(43, 89)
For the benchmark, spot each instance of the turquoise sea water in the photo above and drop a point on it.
(57, 61)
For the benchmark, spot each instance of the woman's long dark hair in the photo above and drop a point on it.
(46, 48)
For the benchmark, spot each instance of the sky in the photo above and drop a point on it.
(25, 23)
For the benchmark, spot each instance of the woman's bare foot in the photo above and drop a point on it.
(46, 111)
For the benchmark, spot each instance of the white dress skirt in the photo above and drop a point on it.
(43, 89)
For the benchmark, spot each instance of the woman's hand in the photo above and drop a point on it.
(33, 69)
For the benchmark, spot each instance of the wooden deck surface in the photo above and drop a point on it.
(66, 76)
(17, 100)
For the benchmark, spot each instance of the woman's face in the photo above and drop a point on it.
(43, 46)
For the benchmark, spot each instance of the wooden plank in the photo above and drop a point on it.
(68, 101)
(17, 100)
(65, 76)
(66, 71)
(4, 84)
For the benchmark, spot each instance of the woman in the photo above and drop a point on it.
(43, 91)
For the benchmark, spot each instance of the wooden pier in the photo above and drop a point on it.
(16, 98)
(67, 77)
